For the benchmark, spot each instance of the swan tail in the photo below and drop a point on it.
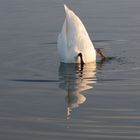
(67, 19)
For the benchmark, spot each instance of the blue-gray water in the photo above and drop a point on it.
(43, 100)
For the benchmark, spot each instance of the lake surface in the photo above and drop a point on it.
(41, 99)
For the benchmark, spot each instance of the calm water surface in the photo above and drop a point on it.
(41, 99)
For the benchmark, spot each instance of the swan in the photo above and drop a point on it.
(74, 44)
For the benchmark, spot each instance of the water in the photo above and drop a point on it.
(43, 99)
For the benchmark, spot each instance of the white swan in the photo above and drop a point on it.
(74, 41)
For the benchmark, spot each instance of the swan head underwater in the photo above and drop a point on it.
(74, 44)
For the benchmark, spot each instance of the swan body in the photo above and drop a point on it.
(74, 40)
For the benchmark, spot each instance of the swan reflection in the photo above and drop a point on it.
(75, 79)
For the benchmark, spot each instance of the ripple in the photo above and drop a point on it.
(34, 81)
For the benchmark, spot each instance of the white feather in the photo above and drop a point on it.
(74, 39)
